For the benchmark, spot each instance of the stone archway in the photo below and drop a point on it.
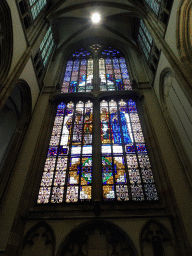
(14, 120)
(97, 238)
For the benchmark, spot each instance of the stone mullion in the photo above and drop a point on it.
(97, 181)
(96, 81)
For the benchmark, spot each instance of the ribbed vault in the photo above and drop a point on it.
(71, 21)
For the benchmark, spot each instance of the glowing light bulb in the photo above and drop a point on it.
(96, 17)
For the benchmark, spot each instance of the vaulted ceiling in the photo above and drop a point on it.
(71, 22)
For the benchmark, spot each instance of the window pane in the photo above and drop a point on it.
(78, 73)
(46, 46)
(36, 7)
(126, 169)
(154, 5)
(113, 71)
(145, 39)
(67, 175)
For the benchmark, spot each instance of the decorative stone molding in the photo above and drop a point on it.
(184, 33)
(165, 87)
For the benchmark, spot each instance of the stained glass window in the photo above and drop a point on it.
(36, 6)
(126, 169)
(67, 175)
(79, 73)
(154, 4)
(113, 71)
(46, 46)
(145, 39)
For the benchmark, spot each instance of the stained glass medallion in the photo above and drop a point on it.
(126, 169)
(67, 175)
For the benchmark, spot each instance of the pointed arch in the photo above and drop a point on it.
(14, 120)
(97, 237)
(39, 239)
(156, 240)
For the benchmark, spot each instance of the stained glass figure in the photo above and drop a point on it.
(113, 71)
(67, 175)
(79, 73)
(126, 169)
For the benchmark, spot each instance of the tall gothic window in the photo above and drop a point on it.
(145, 39)
(147, 44)
(36, 6)
(67, 175)
(124, 168)
(79, 73)
(112, 69)
(46, 46)
(162, 8)
(154, 4)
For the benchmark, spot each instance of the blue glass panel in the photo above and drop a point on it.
(141, 148)
(73, 87)
(52, 151)
(63, 151)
